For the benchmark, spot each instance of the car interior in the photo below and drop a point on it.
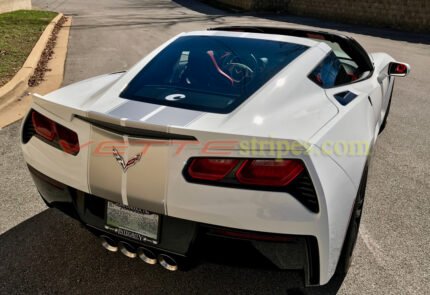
(349, 62)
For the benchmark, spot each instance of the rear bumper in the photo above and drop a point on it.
(160, 188)
(190, 240)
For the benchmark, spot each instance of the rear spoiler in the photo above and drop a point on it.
(347, 44)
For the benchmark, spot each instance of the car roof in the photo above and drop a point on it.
(255, 35)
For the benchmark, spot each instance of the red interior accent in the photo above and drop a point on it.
(315, 36)
(211, 168)
(212, 56)
(353, 76)
(269, 172)
(318, 78)
(44, 127)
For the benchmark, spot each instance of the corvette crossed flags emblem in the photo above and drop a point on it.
(133, 161)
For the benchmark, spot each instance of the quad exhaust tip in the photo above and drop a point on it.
(127, 249)
(147, 255)
(168, 262)
(109, 244)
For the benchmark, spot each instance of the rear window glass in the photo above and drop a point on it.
(210, 73)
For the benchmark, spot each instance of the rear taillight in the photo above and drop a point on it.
(258, 172)
(211, 168)
(68, 140)
(269, 172)
(286, 175)
(43, 126)
(51, 132)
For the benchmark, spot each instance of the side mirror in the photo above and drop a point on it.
(398, 69)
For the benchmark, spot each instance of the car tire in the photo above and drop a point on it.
(345, 258)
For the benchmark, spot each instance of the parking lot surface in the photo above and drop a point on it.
(42, 251)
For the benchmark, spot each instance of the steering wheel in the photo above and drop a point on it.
(240, 70)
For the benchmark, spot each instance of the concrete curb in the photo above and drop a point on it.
(19, 104)
(19, 83)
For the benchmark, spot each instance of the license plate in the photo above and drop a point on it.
(131, 222)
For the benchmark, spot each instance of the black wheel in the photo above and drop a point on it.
(345, 258)
(384, 122)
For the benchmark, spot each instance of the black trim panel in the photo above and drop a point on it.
(345, 97)
(137, 132)
(313, 271)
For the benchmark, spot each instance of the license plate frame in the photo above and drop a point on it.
(133, 223)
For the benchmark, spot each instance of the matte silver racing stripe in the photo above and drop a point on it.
(174, 116)
(124, 175)
(133, 110)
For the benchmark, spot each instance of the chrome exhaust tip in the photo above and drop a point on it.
(147, 255)
(127, 249)
(167, 262)
(109, 244)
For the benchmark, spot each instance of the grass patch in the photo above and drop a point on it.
(19, 32)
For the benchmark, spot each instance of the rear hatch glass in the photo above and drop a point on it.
(210, 73)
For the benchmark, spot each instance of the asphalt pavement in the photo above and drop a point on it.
(42, 251)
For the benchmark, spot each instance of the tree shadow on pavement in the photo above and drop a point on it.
(51, 253)
(385, 33)
(148, 15)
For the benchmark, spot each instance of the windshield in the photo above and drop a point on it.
(210, 73)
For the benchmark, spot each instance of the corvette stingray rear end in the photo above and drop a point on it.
(257, 137)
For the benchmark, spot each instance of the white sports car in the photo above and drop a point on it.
(254, 137)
